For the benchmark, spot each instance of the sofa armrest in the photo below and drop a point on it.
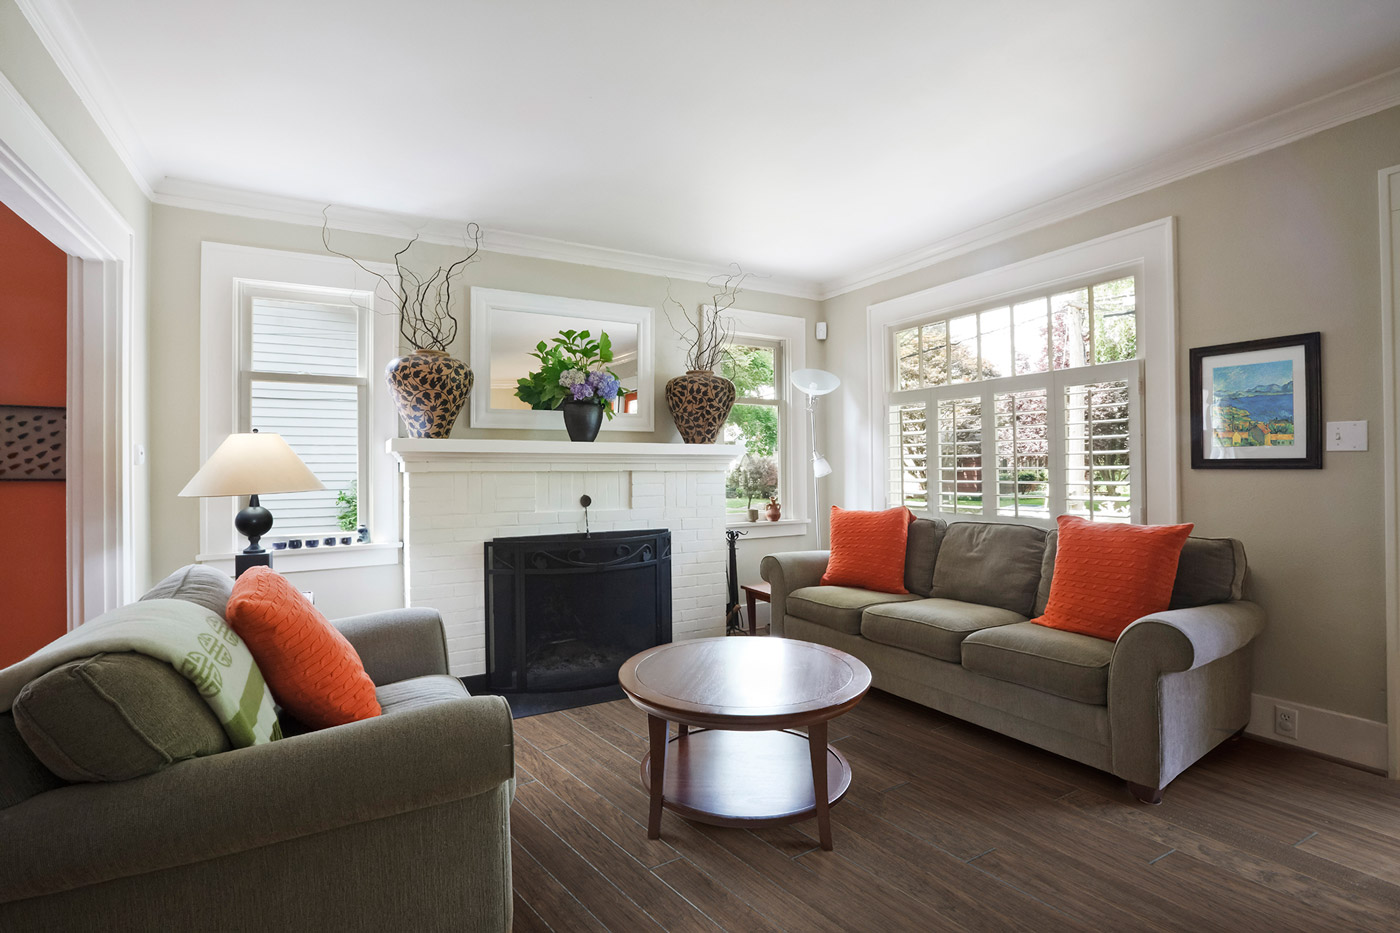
(788, 571)
(397, 644)
(1183, 639)
(1178, 685)
(245, 799)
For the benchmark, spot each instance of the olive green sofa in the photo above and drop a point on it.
(401, 821)
(1173, 686)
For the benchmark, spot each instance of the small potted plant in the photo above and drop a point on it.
(573, 378)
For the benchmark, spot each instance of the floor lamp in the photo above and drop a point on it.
(815, 382)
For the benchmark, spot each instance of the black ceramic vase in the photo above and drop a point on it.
(583, 419)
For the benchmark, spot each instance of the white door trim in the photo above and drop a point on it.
(1388, 191)
(41, 182)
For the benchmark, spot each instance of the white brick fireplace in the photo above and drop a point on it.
(459, 494)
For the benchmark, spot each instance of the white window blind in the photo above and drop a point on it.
(304, 377)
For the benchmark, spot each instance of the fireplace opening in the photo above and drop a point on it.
(563, 612)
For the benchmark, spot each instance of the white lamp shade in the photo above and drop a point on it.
(249, 465)
(815, 381)
(820, 467)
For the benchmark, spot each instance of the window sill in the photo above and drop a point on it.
(763, 528)
(339, 557)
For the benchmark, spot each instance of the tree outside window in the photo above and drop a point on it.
(753, 424)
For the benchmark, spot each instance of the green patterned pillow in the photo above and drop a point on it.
(112, 717)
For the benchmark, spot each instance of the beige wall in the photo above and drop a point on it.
(27, 65)
(1280, 243)
(174, 348)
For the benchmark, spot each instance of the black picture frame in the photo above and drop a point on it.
(1225, 443)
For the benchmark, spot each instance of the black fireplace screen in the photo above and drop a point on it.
(564, 611)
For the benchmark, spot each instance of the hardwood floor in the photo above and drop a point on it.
(950, 827)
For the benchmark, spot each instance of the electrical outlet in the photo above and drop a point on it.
(1286, 721)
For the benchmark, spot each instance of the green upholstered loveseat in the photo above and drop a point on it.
(396, 822)
(1173, 686)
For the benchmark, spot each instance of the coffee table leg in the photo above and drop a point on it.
(753, 615)
(657, 730)
(816, 743)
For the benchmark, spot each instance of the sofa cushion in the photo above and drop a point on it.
(112, 717)
(1211, 570)
(195, 583)
(418, 692)
(21, 774)
(991, 564)
(933, 627)
(921, 554)
(838, 607)
(1066, 664)
(868, 549)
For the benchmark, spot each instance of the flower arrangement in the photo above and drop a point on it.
(572, 369)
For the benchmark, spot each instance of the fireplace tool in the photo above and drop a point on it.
(733, 616)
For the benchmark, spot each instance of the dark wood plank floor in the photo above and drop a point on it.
(951, 827)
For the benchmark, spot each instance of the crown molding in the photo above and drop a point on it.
(218, 199)
(58, 30)
(1350, 103)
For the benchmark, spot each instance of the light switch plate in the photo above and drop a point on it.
(1346, 435)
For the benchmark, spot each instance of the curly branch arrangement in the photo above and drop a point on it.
(708, 331)
(426, 321)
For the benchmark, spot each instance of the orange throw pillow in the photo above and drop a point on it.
(1109, 576)
(313, 672)
(867, 549)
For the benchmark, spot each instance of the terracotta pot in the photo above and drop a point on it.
(699, 403)
(582, 419)
(429, 389)
(774, 510)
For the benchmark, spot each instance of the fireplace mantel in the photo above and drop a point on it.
(420, 453)
(459, 494)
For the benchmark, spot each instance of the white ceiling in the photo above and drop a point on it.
(813, 140)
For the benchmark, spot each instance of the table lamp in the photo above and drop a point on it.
(815, 382)
(252, 465)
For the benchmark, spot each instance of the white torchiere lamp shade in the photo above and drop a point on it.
(815, 383)
(251, 465)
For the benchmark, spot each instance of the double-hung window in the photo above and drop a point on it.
(756, 423)
(292, 344)
(1025, 409)
(304, 368)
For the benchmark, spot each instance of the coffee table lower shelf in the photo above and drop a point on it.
(747, 779)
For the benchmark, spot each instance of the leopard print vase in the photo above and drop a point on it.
(699, 403)
(429, 389)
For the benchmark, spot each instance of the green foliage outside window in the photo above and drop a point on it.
(347, 507)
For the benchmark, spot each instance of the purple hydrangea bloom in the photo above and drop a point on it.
(604, 383)
(582, 391)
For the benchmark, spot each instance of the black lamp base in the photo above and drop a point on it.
(254, 521)
(242, 562)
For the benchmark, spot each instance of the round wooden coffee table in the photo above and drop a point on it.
(744, 766)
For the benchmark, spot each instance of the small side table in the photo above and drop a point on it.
(755, 593)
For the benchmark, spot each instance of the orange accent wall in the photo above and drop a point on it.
(33, 371)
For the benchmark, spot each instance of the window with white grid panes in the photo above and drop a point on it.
(1035, 405)
(304, 375)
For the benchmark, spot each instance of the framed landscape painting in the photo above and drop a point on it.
(1257, 404)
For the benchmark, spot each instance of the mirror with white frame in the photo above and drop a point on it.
(506, 327)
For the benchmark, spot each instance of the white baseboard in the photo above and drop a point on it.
(1336, 735)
